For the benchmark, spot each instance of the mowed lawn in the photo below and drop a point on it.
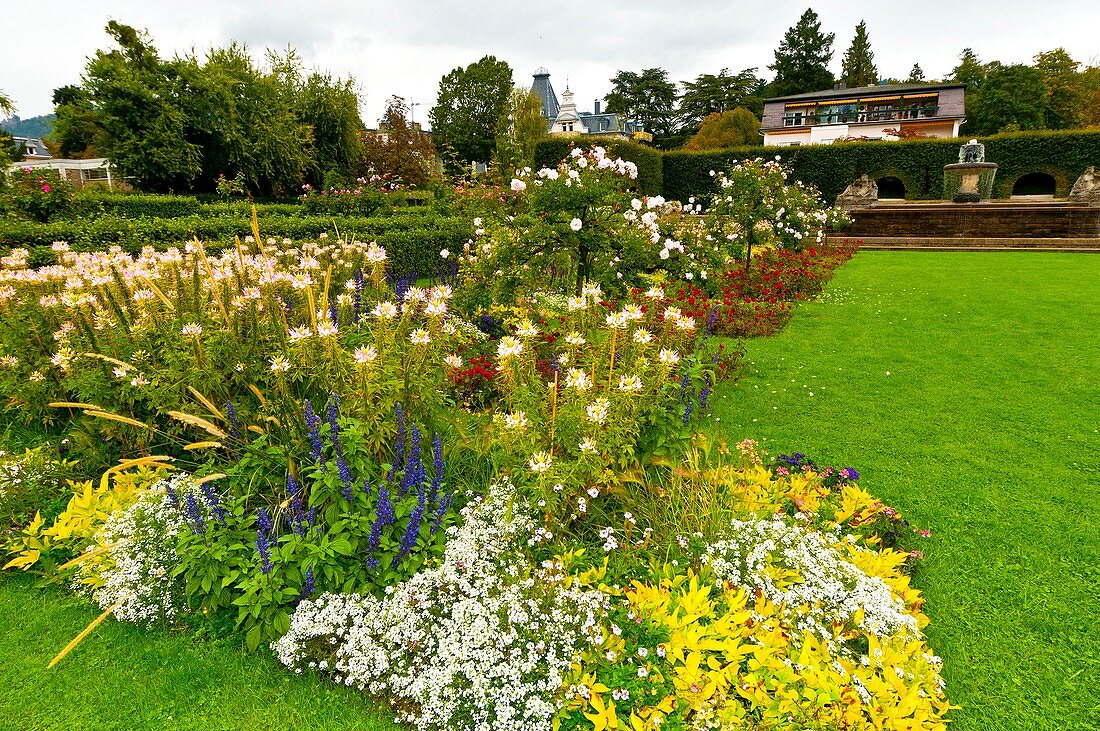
(965, 387)
(125, 677)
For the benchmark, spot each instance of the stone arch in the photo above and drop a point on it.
(891, 187)
(893, 183)
(1036, 183)
(1004, 185)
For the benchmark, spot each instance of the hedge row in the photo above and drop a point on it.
(413, 242)
(553, 150)
(917, 163)
(94, 204)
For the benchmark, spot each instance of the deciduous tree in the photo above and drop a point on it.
(719, 130)
(519, 130)
(1063, 86)
(721, 92)
(469, 103)
(398, 150)
(647, 97)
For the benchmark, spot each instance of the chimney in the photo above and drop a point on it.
(597, 103)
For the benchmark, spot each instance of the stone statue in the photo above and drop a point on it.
(972, 151)
(1087, 187)
(861, 193)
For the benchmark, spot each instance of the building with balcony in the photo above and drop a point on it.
(886, 111)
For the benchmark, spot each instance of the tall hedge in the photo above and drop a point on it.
(917, 163)
(552, 150)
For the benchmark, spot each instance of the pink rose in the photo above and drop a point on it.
(45, 188)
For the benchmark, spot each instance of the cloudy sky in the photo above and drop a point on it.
(403, 47)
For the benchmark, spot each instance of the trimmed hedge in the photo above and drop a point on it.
(413, 241)
(917, 163)
(552, 150)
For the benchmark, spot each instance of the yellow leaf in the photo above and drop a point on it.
(23, 561)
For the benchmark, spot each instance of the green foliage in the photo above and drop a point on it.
(916, 75)
(735, 128)
(551, 151)
(36, 194)
(802, 59)
(399, 152)
(1064, 92)
(30, 482)
(330, 107)
(1012, 98)
(469, 103)
(76, 129)
(918, 163)
(647, 97)
(519, 130)
(858, 67)
(718, 93)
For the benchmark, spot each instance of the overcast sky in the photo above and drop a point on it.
(403, 47)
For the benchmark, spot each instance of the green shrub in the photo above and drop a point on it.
(917, 163)
(549, 152)
(37, 194)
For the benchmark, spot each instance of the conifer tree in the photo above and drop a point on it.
(916, 75)
(802, 59)
(858, 68)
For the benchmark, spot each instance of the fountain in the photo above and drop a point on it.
(971, 177)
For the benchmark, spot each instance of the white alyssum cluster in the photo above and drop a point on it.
(481, 642)
(802, 570)
(136, 573)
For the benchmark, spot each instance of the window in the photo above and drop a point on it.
(792, 119)
(567, 126)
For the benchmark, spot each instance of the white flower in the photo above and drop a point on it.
(191, 328)
(540, 462)
(120, 371)
(576, 303)
(578, 379)
(326, 329)
(526, 329)
(516, 420)
(630, 384)
(686, 324)
(518, 185)
(375, 254)
(575, 338)
(508, 347)
(279, 364)
(444, 253)
(576, 224)
(385, 310)
(616, 321)
(365, 355)
(453, 361)
(420, 336)
(642, 336)
(299, 333)
(592, 290)
(655, 293)
(588, 445)
(593, 492)
(597, 410)
(671, 357)
(436, 308)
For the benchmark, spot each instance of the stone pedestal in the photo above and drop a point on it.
(1087, 188)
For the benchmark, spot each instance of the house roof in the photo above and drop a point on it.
(545, 92)
(864, 90)
(41, 152)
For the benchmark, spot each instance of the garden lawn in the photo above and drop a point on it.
(964, 387)
(126, 677)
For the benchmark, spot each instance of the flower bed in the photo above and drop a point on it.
(485, 501)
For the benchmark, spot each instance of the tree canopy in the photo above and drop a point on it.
(717, 93)
(519, 130)
(399, 151)
(858, 67)
(719, 130)
(802, 59)
(468, 106)
(647, 97)
(179, 123)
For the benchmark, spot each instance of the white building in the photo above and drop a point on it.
(886, 111)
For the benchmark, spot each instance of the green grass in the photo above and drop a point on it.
(985, 431)
(125, 677)
(964, 387)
